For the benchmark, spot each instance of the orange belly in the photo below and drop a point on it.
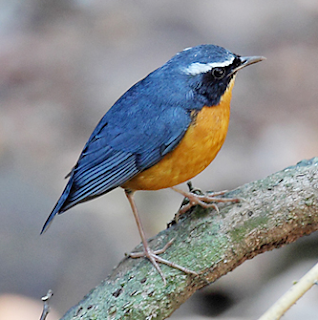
(199, 146)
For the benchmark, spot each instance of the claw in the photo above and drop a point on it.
(155, 259)
(197, 197)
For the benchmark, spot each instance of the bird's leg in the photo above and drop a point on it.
(207, 200)
(148, 253)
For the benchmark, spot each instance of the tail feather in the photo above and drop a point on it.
(59, 207)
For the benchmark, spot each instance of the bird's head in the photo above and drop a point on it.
(204, 72)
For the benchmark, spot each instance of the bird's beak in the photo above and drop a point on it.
(246, 61)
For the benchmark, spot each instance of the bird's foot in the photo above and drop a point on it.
(205, 200)
(155, 259)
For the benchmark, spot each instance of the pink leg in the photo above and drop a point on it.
(148, 253)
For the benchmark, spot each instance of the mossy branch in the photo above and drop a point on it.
(274, 211)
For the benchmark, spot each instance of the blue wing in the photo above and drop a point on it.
(132, 136)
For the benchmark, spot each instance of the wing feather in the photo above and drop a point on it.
(136, 133)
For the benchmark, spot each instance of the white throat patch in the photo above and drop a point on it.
(197, 67)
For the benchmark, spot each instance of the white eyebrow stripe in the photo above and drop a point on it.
(198, 67)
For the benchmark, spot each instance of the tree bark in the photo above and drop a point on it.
(273, 212)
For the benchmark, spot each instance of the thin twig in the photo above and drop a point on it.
(46, 307)
(292, 295)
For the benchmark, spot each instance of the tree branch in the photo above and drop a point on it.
(274, 211)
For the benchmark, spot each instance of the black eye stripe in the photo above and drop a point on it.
(219, 72)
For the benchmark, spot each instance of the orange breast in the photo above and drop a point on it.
(199, 146)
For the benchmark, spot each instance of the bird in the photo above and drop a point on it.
(163, 131)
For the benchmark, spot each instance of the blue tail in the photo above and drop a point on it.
(59, 207)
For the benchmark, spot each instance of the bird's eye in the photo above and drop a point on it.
(218, 73)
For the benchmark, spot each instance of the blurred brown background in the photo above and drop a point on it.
(63, 63)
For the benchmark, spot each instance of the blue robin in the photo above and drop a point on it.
(163, 131)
